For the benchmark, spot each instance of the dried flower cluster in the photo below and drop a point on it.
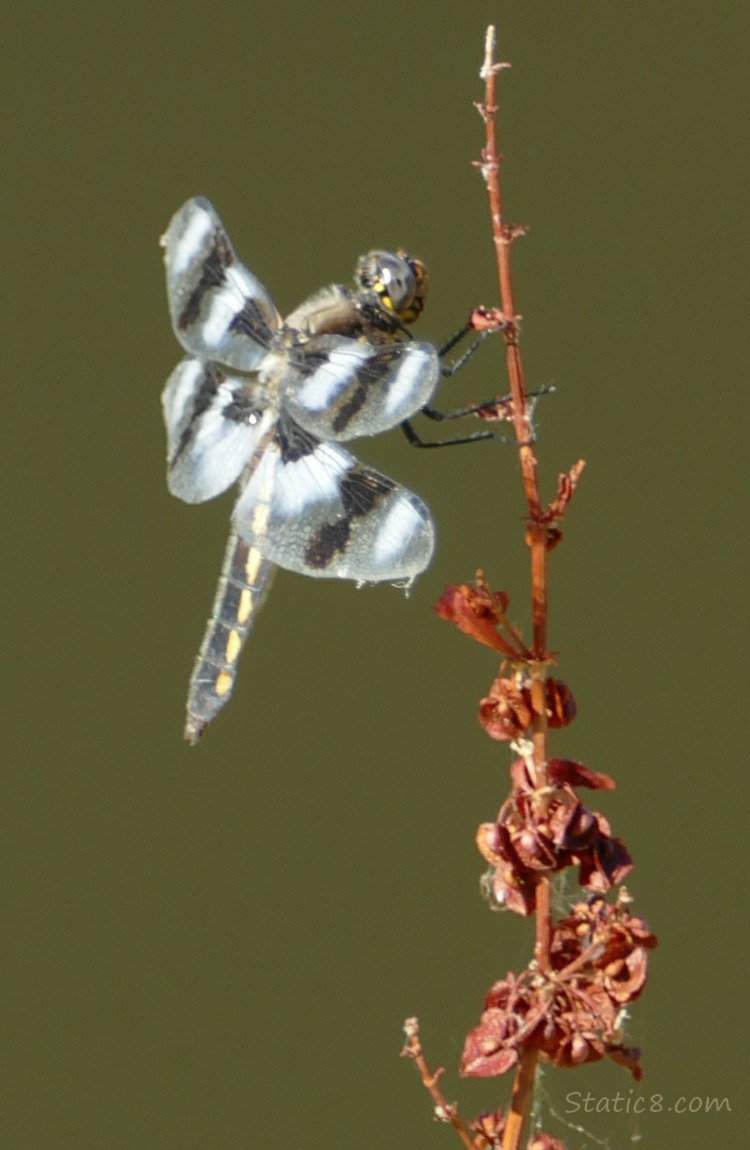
(570, 1013)
(597, 955)
(544, 830)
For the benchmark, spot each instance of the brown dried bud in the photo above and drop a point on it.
(560, 703)
(480, 612)
(546, 1142)
(507, 712)
(489, 1129)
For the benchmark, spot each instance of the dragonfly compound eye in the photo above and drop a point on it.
(398, 279)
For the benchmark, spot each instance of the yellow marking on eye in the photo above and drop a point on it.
(252, 565)
(223, 684)
(245, 606)
(385, 298)
(234, 645)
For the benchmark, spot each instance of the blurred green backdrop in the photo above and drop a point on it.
(214, 949)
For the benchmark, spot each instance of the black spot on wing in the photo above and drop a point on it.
(330, 541)
(294, 443)
(215, 265)
(308, 361)
(368, 374)
(356, 397)
(238, 409)
(361, 492)
(251, 321)
(202, 400)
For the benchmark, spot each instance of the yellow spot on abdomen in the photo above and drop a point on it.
(234, 645)
(252, 566)
(245, 606)
(261, 515)
(223, 683)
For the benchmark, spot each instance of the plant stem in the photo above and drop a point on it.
(504, 236)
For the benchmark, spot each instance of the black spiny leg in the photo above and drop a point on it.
(416, 441)
(492, 408)
(439, 416)
(448, 369)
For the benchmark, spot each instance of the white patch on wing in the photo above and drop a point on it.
(211, 335)
(406, 392)
(215, 460)
(241, 283)
(319, 390)
(309, 480)
(177, 397)
(399, 531)
(215, 327)
(185, 250)
(206, 449)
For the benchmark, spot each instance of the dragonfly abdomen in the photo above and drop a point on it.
(245, 579)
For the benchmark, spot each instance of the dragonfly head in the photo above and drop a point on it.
(398, 281)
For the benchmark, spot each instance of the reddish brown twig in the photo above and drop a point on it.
(567, 1004)
(504, 236)
(444, 1111)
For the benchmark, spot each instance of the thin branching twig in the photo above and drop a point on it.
(567, 1004)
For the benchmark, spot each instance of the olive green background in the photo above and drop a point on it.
(214, 949)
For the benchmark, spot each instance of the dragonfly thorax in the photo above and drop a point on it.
(333, 310)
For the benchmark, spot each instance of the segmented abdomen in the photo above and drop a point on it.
(245, 579)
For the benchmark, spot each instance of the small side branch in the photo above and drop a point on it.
(444, 1111)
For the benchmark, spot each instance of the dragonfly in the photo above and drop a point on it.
(267, 402)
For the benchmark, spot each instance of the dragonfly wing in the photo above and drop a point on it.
(311, 507)
(343, 388)
(214, 423)
(219, 309)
